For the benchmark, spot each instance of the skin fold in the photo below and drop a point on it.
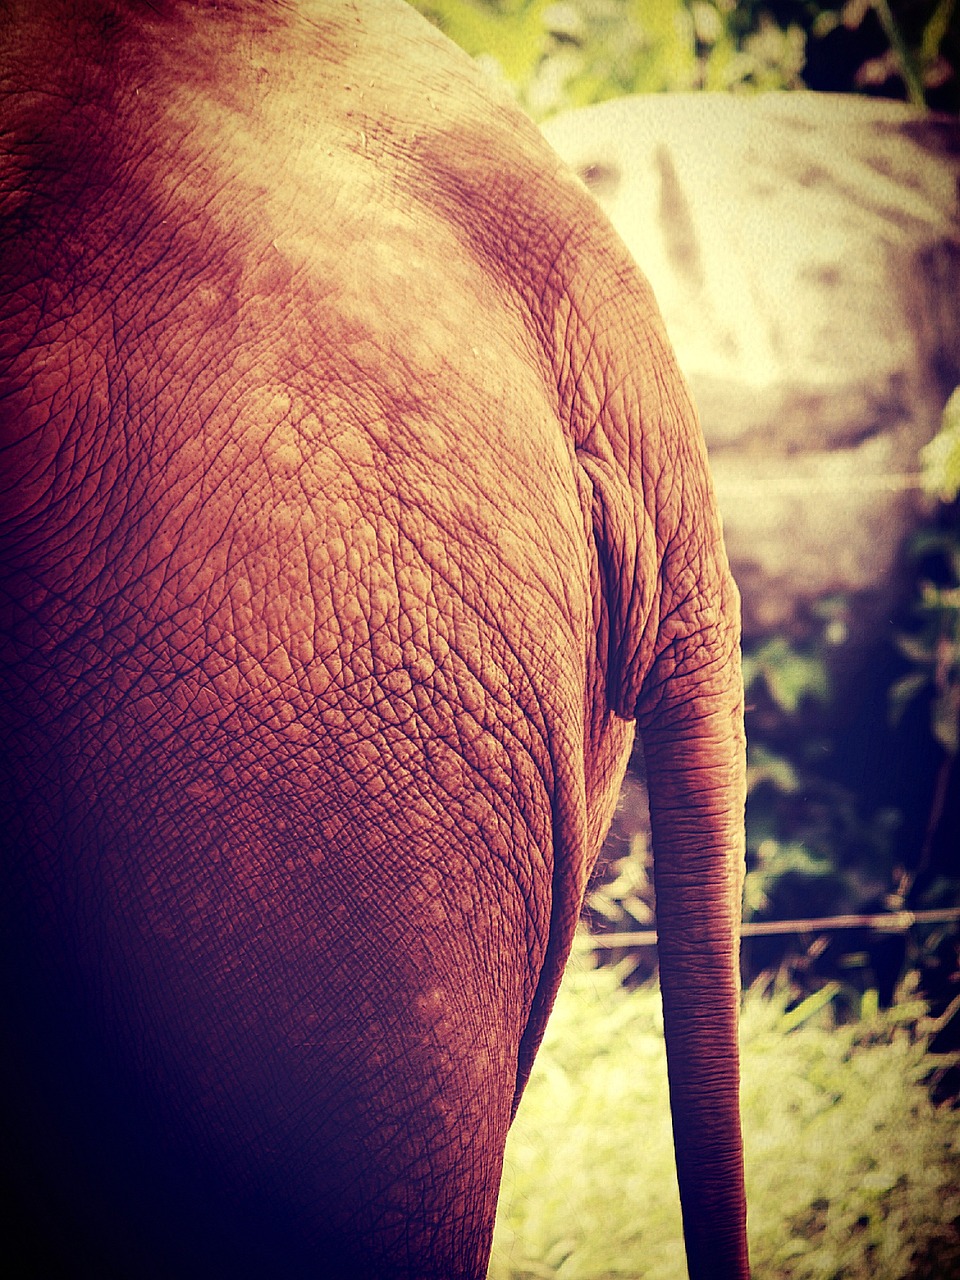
(353, 514)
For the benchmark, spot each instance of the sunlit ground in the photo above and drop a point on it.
(851, 1171)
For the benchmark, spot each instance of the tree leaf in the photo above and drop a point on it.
(903, 691)
(941, 457)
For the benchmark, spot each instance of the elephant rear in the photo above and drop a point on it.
(354, 509)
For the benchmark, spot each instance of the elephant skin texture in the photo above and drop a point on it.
(354, 514)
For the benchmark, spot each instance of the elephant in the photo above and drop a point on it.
(355, 518)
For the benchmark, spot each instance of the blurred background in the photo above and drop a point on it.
(805, 251)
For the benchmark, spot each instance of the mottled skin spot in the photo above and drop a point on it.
(354, 511)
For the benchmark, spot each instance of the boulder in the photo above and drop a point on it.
(805, 251)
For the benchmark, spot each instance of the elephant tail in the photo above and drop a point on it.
(691, 724)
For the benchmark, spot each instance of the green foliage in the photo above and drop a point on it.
(625, 897)
(788, 673)
(810, 849)
(513, 35)
(918, 34)
(933, 647)
(851, 1171)
(941, 457)
(559, 55)
(556, 55)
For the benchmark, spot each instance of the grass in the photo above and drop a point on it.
(851, 1170)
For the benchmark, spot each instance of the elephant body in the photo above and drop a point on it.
(354, 511)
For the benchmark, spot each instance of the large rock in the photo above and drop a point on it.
(805, 252)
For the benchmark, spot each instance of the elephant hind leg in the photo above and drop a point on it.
(298, 1165)
(224, 1105)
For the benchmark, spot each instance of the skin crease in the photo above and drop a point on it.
(353, 512)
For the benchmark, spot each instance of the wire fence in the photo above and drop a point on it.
(886, 922)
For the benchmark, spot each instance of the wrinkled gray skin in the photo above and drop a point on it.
(354, 511)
